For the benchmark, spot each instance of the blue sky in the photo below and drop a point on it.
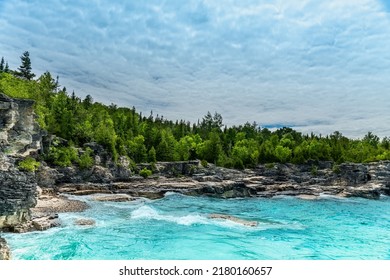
(316, 66)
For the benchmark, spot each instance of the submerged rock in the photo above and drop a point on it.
(233, 219)
(85, 222)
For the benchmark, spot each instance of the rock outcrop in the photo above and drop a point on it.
(346, 180)
(20, 136)
(5, 253)
(17, 196)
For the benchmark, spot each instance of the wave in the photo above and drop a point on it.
(148, 213)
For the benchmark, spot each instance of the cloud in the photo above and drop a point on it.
(316, 65)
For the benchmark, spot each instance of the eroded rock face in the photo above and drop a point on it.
(17, 196)
(20, 135)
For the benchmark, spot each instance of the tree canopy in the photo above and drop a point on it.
(126, 132)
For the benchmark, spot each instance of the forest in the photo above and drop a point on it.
(148, 138)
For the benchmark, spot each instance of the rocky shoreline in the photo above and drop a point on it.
(32, 200)
(191, 178)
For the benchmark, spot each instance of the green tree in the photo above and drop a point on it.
(152, 155)
(283, 154)
(185, 148)
(86, 161)
(137, 149)
(165, 149)
(6, 68)
(25, 68)
(2, 64)
(211, 149)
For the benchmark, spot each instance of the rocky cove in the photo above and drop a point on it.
(20, 191)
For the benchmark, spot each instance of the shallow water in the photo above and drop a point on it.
(177, 227)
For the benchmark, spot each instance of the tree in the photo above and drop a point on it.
(25, 68)
(2, 64)
(211, 149)
(137, 149)
(283, 154)
(88, 101)
(152, 155)
(165, 149)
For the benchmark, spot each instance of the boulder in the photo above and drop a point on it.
(5, 253)
(85, 222)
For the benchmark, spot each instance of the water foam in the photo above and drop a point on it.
(147, 212)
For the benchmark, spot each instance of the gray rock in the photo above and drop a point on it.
(113, 198)
(85, 222)
(20, 136)
(233, 219)
(5, 253)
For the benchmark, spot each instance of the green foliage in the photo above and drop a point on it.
(145, 172)
(283, 154)
(270, 165)
(336, 169)
(204, 163)
(152, 155)
(314, 170)
(86, 161)
(63, 156)
(166, 147)
(29, 164)
(125, 132)
(137, 149)
(210, 149)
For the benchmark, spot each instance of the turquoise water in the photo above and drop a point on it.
(177, 227)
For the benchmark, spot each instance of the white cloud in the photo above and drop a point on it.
(317, 65)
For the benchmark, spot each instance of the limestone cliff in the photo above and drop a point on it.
(20, 135)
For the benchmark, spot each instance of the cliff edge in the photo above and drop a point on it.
(20, 136)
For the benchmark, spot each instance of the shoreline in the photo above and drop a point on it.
(45, 214)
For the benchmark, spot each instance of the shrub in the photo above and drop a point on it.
(314, 170)
(270, 165)
(336, 169)
(145, 172)
(63, 156)
(204, 163)
(238, 164)
(29, 164)
(86, 161)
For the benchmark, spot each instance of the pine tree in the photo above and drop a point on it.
(25, 68)
(6, 68)
(2, 64)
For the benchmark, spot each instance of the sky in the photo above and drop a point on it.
(314, 65)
